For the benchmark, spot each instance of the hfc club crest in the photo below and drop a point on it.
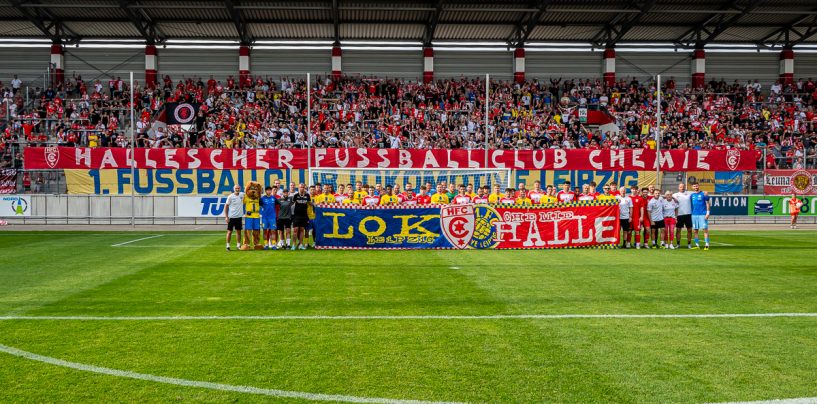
(52, 156)
(458, 224)
(184, 113)
(732, 159)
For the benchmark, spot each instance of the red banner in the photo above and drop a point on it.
(787, 182)
(255, 159)
(8, 181)
(573, 226)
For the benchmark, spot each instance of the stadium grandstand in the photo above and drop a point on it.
(400, 75)
(422, 201)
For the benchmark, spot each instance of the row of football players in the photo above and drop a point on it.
(363, 194)
(661, 217)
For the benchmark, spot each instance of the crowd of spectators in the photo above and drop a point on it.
(390, 113)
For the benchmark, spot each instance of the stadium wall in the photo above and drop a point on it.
(208, 209)
(31, 63)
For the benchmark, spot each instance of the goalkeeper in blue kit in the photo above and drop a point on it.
(700, 215)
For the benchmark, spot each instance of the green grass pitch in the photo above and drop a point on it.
(653, 360)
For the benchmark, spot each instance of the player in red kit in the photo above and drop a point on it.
(645, 219)
(637, 215)
(371, 200)
(587, 193)
(422, 198)
(566, 195)
(537, 193)
(462, 198)
(614, 188)
(509, 198)
(408, 195)
(482, 195)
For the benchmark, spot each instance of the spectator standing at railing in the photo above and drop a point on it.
(15, 85)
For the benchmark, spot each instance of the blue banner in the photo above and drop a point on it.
(737, 205)
(728, 182)
(379, 228)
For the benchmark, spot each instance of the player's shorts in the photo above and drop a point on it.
(235, 223)
(685, 221)
(283, 223)
(795, 214)
(310, 225)
(625, 224)
(647, 223)
(299, 221)
(252, 223)
(268, 223)
(659, 224)
(635, 224)
(669, 221)
(699, 222)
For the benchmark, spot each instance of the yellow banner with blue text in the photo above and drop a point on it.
(213, 182)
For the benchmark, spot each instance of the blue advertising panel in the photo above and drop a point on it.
(729, 205)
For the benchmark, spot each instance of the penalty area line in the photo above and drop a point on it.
(200, 384)
(410, 317)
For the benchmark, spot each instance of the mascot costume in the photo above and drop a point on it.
(252, 216)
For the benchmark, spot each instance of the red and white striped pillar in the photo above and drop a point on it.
(786, 67)
(151, 63)
(243, 65)
(428, 64)
(609, 67)
(337, 56)
(58, 64)
(698, 68)
(519, 65)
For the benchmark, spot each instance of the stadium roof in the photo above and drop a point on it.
(682, 23)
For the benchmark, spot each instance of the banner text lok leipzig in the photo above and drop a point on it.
(574, 225)
(37, 158)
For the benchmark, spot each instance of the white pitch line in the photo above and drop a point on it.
(723, 244)
(201, 384)
(801, 400)
(138, 239)
(409, 317)
(164, 246)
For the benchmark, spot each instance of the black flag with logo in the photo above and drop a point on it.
(181, 113)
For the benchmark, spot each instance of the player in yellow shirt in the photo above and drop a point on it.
(389, 198)
(325, 197)
(440, 198)
(523, 199)
(360, 193)
(550, 197)
(496, 195)
(469, 190)
(607, 195)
